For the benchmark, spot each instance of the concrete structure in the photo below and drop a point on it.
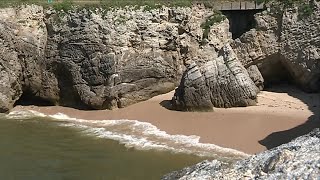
(238, 5)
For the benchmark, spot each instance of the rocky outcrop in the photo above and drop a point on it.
(220, 82)
(256, 76)
(22, 41)
(300, 46)
(298, 159)
(284, 45)
(97, 59)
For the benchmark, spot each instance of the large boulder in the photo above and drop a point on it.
(220, 82)
(298, 159)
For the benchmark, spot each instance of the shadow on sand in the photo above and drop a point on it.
(312, 101)
(167, 104)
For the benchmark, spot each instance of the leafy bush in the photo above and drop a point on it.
(65, 5)
(306, 9)
(215, 18)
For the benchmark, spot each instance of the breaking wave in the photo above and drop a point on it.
(136, 134)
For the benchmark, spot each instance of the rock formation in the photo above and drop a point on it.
(97, 59)
(22, 42)
(298, 159)
(284, 44)
(256, 76)
(220, 82)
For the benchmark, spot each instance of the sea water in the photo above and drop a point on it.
(35, 146)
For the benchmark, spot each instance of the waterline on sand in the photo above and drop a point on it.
(136, 134)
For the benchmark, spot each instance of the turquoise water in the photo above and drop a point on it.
(39, 148)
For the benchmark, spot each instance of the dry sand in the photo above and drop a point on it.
(285, 110)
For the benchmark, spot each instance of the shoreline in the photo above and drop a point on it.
(236, 128)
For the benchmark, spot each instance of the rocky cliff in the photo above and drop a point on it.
(23, 38)
(298, 159)
(98, 59)
(284, 45)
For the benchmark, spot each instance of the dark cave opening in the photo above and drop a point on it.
(28, 98)
(240, 21)
(274, 72)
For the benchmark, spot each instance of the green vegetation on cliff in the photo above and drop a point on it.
(150, 4)
(65, 4)
(215, 18)
(305, 7)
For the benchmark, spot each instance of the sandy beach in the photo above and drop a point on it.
(280, 115)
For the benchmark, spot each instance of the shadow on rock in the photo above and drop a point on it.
(312, 100)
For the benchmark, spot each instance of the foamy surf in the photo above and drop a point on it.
(138, 135)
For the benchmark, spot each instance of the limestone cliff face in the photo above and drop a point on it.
(100, 59)
(23, 37)
(96, 59)
(300, 46)
(284, 46)
(284, 43)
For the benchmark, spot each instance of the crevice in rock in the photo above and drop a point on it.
(274, 72)
(28, 98)
(68, 95)
(240, 21)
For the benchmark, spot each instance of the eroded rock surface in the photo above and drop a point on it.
(97, 59)
(22, 41)
(298, 159)
(256, 76)
(220, 82)
(300, 46)
(284, 45)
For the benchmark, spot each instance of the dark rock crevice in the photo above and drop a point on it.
(240, 21)
(274, 72)
(68, 95)
(29, 98)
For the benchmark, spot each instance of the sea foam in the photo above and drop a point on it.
(137, 134)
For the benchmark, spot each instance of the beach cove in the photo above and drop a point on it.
(150, 91)
(245, 128)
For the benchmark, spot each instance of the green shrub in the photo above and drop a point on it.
(306, 9)
(65, 5)
(215, 18)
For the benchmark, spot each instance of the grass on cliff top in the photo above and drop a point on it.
(305, 7)
(66, 4)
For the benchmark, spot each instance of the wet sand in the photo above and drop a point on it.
(237, 128)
